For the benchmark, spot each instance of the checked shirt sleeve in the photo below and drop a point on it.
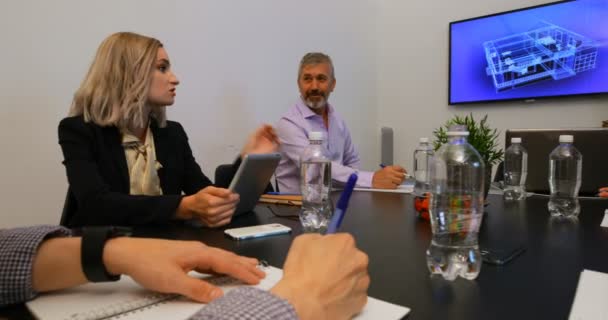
(17, 251)
(247, 303)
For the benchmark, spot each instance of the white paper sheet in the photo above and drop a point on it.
(590, 300)
(605, 220)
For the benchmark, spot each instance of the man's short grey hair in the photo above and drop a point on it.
(315, 58)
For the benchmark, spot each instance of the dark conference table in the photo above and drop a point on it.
(539, 284)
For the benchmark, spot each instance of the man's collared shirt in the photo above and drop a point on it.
(293, 129)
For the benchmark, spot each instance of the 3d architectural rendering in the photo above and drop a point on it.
(548, 52)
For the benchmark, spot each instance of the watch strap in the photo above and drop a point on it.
(91, 251)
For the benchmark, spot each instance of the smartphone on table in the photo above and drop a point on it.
(501, 256)
(263, 230)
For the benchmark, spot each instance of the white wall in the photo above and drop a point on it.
(237, 61)
(412, 73)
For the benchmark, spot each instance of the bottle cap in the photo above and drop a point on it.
(457, 130)
(315, 135)
(566, 138)
(457, 133)
(424, 140)
(515, 140)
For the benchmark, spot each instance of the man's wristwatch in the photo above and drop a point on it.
(91, 251)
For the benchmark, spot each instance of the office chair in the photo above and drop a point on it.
(386, 146)
(500, 172)
(539, 143)
(69, 208)
(223, 175)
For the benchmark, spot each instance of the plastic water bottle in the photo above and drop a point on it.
(456, 208)
(422, 156)
(315, 183)
(565, 171)
(515, 171)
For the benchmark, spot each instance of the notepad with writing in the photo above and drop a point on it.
(126, 300)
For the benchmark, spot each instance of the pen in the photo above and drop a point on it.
(336, 220)
(382, 165)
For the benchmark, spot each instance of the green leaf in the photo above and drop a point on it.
(481, 136)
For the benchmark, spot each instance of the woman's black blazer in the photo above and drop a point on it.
(98, 175)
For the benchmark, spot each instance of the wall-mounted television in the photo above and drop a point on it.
(556, 49)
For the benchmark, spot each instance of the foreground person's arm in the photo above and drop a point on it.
(31, 262)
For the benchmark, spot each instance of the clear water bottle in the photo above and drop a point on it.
(456, 207)
(515, 171)
(422, 156)
(315, 183)
(565, 171)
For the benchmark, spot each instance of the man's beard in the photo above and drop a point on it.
(318, 103)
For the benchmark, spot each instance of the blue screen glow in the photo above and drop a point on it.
(553, 50)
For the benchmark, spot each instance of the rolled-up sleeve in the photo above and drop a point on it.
(352, 164)
(18, 249)
(247, 303)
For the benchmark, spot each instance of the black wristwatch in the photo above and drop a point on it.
(91, 251)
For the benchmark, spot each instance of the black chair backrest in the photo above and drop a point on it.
(223, 175)
(69, 208)
(500, 172)
(591, 142)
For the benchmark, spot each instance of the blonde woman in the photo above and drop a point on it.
(126, 163)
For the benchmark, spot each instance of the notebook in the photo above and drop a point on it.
(590, 299)
(406, 187)
(127, 300)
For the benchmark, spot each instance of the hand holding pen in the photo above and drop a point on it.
(399, 168)
(389, 177)
(332, 263)
(320, 266)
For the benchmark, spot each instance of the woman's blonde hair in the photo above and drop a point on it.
(115, 89)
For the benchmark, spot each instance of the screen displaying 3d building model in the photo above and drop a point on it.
(557, 49)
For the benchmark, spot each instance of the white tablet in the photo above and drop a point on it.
(251, 179)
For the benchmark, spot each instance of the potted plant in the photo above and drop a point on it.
(483, 138)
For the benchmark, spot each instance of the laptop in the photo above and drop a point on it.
(251, 179)
(592, 143)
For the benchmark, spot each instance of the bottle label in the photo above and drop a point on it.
(459, 214)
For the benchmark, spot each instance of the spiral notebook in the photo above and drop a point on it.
(127, 300)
